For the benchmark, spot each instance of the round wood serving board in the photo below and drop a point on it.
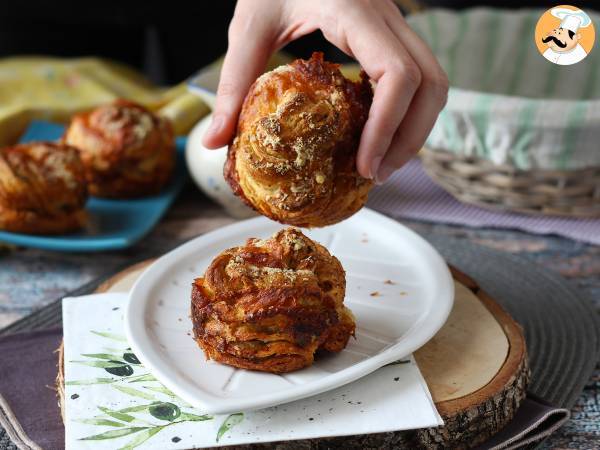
(475, 366)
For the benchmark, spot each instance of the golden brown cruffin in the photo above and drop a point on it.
(294, 156)
(127, 150)
(271, 304)
(42, 189)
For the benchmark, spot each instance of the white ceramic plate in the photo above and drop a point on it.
(398, 287)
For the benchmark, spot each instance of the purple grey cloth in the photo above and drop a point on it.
(29, 411)
(28, 404)
(411, 194)
(534, 420)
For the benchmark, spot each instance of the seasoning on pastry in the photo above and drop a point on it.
(127, 150)
(42, 189)
(271, 304)
(294, 156)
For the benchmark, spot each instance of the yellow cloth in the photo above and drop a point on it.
(54, 89)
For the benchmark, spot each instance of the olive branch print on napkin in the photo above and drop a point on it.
(158, 407)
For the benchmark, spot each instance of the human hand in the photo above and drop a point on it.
(411, 87)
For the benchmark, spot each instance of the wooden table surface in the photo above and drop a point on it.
(31, 278)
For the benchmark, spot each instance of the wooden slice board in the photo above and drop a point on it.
(475, 366)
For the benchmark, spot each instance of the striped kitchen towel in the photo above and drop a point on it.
(507, 103)
(410, 194)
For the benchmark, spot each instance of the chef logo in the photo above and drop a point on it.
(564, 35)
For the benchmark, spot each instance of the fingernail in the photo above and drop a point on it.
(384, 173)
(216, 124)
(375, 166)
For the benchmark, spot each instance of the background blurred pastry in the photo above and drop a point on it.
(294, 156)
(127, 150)
(42, 189)
(271, 304)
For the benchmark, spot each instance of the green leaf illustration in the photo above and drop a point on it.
(131, 358)
(231, 421)
(116, 351)
(162, 390)
(141, 438)
(165, 411)
(139, 378)
(90, 381)
(112, 434)
(113, 336)
(105, 422)
(102, 356)
(116, 414)
(134, 392)
(120, 371)
(137, 408)
(194, 417)
(102, 364)
(119, 362)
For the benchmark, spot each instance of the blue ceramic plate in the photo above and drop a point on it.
(113, 224)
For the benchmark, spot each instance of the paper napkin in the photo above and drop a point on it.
(112, 401)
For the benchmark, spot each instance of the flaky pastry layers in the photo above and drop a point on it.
(294, 156)
(271, 304)
(42, 189)
(127, 150)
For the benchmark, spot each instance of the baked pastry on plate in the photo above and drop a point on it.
(294, 156)
(127, 150)
(271, 304)
(42, 189)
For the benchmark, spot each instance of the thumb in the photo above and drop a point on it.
(246, 58)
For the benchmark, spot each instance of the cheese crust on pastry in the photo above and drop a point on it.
(271, 304)
(294, 156)
(42, 189)
(127, 150)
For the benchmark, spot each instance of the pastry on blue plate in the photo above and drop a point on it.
(43, 189)
(126, 149)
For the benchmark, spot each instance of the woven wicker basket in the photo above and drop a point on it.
(518, 132)
(573, 193)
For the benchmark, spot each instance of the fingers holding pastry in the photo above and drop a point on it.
(294, 155)
(428, 101)
(410, 90)
(42, 188)
(244, 61)
(258, 28)
(411, 86)
(364, 32)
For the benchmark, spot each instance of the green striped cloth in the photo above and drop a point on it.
(507, 103)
